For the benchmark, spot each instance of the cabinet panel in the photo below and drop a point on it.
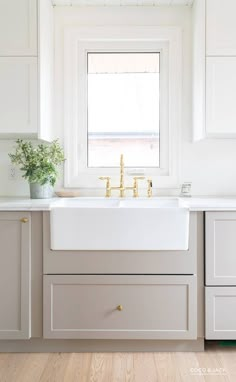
(220, 96)
(221, 248)
(220, 27)
(220, 313)
(18, 27)
(153, 307)
(124, 262)
(14, 276)
(18, 95)
(46, 70)
(199, 69)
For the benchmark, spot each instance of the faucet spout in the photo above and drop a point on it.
(122, 187)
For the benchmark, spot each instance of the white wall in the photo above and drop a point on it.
(210, 164)
(9, 187)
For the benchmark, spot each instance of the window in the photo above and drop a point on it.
(123, 109)
(122, 94)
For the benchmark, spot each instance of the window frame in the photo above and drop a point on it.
(78, 42)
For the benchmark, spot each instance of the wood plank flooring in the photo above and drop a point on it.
(216, 364)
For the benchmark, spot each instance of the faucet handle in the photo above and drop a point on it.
(149, 190)
(135, 188)
(108, 185)
(104, 177)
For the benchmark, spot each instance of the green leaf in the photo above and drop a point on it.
(39, 163)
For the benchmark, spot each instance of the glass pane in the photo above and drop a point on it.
(123, 109)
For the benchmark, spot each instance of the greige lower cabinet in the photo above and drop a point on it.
(15, 275)
(220, 248)
(120, 307)
(150, 295)
(220, 291)
(220, 313)
(122, 262)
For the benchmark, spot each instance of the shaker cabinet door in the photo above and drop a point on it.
(220, 28)
(14, 275)
(18, 27)
(18, 96)
(220, 313)
(220, 97)
(220, 248)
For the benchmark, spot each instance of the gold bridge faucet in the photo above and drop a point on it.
(122, 187)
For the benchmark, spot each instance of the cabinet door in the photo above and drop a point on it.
(220, 28)
(221, 96)
(14, 276)
(221, 248)
(18, 27)
(220, 313)
(120, 307)
(18, 96)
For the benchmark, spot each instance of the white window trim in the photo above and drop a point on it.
(77, 42)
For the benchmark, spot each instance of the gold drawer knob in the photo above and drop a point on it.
(119, 307)
(24, 220)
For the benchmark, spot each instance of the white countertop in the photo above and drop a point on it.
(25, 204)
(209, 203)
(204, 203)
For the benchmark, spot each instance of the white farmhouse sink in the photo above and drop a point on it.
(119, 224)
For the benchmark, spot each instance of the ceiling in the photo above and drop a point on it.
(123, 2)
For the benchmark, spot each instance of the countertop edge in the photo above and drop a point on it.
(194, 204)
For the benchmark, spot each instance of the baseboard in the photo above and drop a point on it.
(40, 345)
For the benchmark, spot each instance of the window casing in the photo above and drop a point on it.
(78, 43)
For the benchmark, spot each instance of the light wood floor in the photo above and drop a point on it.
(217, 364)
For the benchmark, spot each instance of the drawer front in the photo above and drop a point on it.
(220, 313)
(153, 307)
(125, 262)
(221, 248)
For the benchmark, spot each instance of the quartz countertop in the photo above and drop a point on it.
(209, 203)
(203, 203)
(25, 204)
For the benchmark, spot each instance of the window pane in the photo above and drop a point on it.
(123, 109)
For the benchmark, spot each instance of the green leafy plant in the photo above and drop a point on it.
(39, 163)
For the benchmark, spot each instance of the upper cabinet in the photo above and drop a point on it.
(18, 95)
(220, 28)
(26, 69)
(18, 27)
(221, 96)
(214, 69)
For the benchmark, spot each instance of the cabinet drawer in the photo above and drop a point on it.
(220, 313)
(153, 307)
(221, 248)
